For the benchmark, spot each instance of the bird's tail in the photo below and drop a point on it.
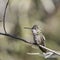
(42, 49)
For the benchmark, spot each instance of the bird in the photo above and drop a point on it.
(38, 37)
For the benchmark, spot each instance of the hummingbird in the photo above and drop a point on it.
(38, 37)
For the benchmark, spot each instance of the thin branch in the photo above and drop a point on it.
(4, 16)
(16, 38)
(50, 50)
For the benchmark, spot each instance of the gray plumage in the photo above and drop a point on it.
(38, 37)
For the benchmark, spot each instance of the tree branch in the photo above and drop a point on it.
(4, 16)
(16, 38)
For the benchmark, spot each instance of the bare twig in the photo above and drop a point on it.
(16, 38)
(4, 16)
(57, 53)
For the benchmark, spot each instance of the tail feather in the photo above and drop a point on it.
(42, 49)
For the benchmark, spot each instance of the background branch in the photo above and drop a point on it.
(4, 16)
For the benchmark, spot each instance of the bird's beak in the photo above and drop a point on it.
(27, 28)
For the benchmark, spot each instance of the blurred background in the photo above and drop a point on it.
(26, 13)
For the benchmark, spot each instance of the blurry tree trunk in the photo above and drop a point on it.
(23, 9)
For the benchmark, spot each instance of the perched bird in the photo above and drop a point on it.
(39, 38)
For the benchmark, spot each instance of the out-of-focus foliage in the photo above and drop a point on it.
(26, 13)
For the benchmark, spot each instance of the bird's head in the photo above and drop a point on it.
(35, 29)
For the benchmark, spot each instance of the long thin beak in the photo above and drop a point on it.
(27, 28)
